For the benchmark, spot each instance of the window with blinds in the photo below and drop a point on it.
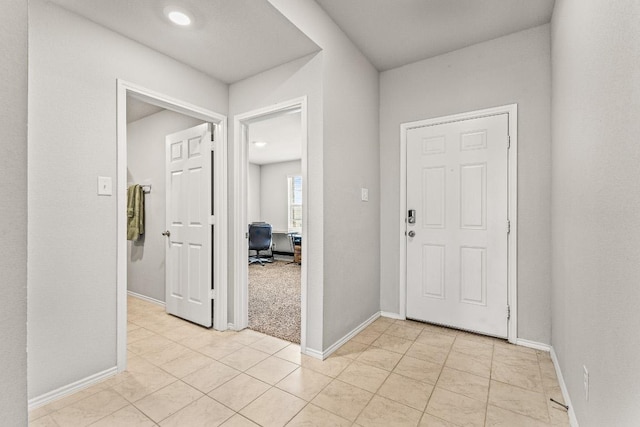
(295, 204)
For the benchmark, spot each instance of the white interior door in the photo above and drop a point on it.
(188, 250)
(457, 247)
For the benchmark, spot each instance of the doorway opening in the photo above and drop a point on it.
(274, 213)
(213, 294)
(270, 146)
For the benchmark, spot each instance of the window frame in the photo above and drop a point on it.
(291, 190)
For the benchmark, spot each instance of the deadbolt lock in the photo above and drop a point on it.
(411, 216)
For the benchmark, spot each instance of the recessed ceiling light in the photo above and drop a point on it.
(259, 144)
(178, 17)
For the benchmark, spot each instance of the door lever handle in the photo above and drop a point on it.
(166, 233)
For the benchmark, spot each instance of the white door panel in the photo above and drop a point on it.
(457, 258)
(188, 253)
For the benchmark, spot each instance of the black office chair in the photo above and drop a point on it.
(260, 240)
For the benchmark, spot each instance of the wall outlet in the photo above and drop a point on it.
(585, 379)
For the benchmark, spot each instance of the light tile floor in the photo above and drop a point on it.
(394, 373)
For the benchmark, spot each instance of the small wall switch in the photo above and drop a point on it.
(364, 194)
(104, 186)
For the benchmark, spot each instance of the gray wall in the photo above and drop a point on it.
(74, 65)
(253, 190)
(511, 69)
(350, 96)
(13, 211)
(274, 203)
(302, 77)
(596, 200)
(146, 165)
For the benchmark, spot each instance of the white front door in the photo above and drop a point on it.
(188, 209)
(457, 247)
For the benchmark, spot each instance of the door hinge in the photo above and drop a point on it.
(508, 312)
(212, 294)
(213, 132)
(508, 141)
(508, 226)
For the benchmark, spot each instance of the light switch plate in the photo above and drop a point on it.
(104, 186)
(364, 194)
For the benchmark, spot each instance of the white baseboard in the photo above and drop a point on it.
(146, 298)
(313, 353)
(391, 315)
(573, 421)
(533, 344)
(350, 335)
(231, 327)
(74, 387)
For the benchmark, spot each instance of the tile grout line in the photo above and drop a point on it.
(372, 394)
(441, 369)
(178, 410)
(486, 409)
(544, 391)
(309, 402)
(368, 346)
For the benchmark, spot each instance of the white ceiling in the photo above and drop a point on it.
(283, 135)
(229, 40)
(235, 39)
(392, 33)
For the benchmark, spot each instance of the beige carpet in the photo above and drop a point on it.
(274, 300)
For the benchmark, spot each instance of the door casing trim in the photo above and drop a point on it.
(219, 246)
(512, 206)
(240, 173)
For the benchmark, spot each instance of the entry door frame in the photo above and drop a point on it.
(219, 245)
(512, 213)
(241, 243)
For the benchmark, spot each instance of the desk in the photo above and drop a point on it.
(297, 254)
(296, 239)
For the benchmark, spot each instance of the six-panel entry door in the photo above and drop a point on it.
(188, 232)
(457, 224)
